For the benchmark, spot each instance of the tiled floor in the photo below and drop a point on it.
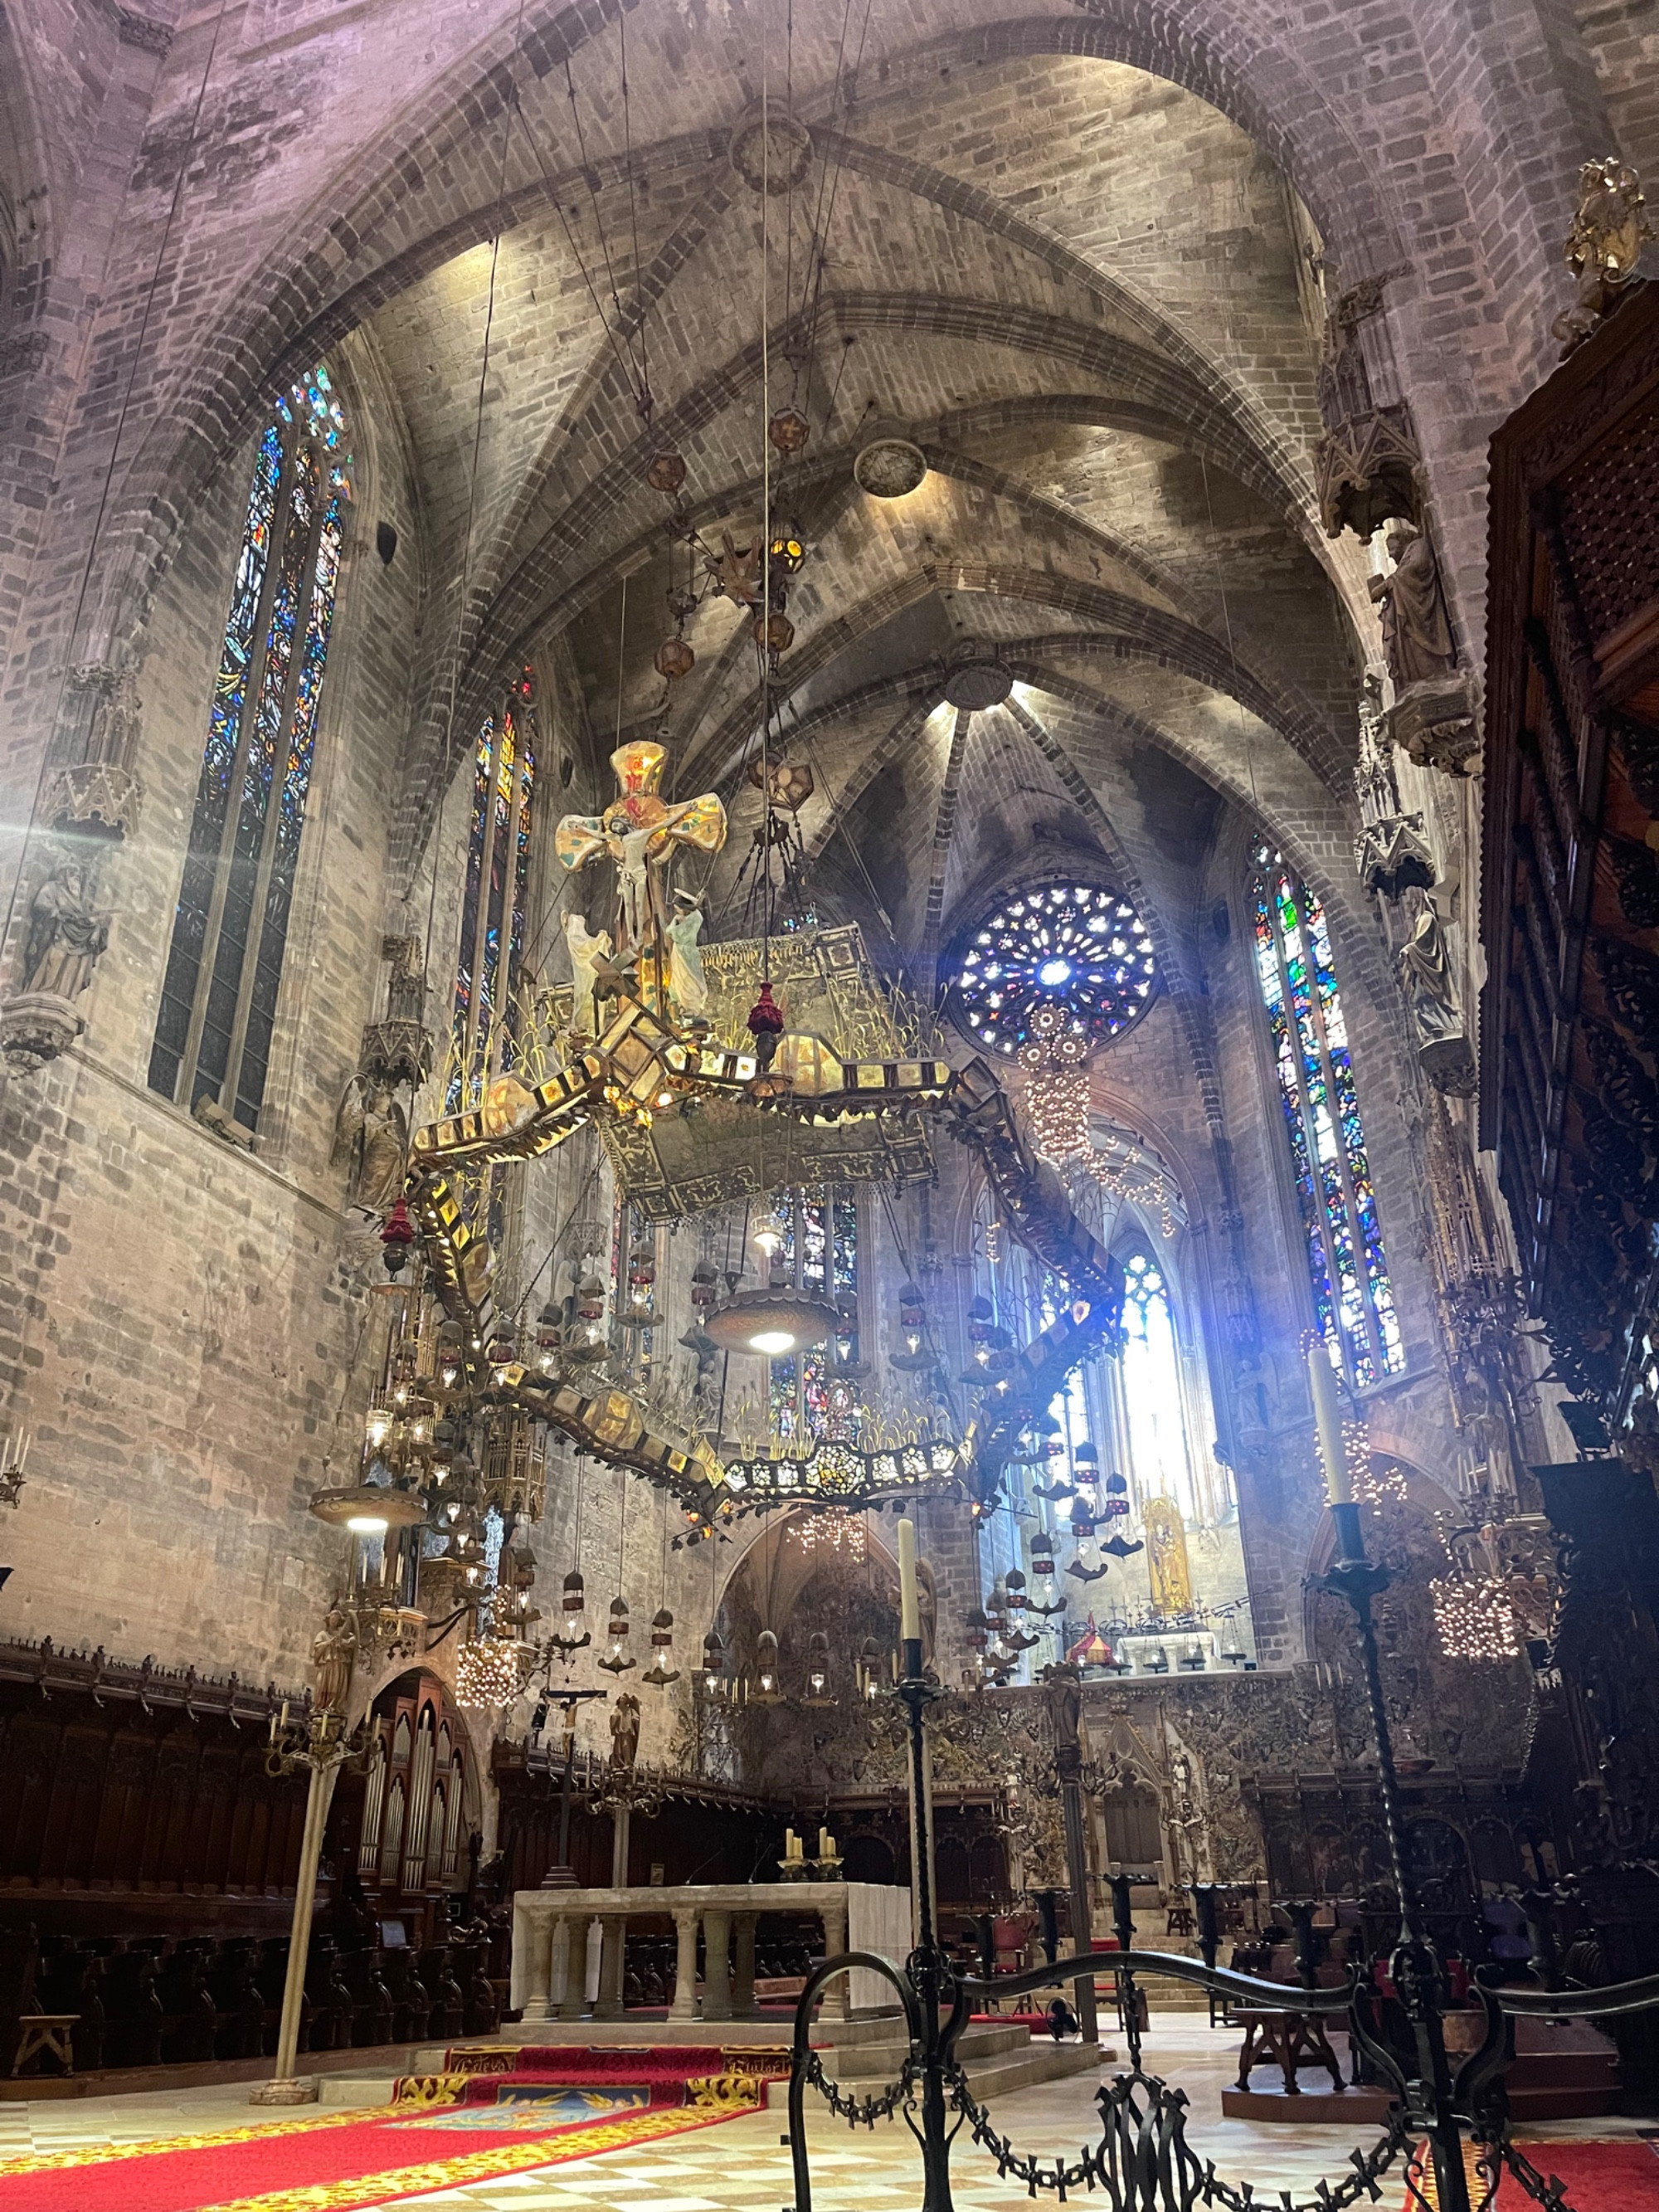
(742, 2166)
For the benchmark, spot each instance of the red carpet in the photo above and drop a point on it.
(495, 2110)
(333, 2164)
(1596, 2176)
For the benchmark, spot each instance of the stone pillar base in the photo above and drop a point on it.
(284, 2093)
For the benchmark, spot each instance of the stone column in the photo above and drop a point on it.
(608, 2003)
(684, 2006)
(837, 1997)
(742, 1966)
(537, 1936)
(558, 1967)
(716, 1964)
(574, 2003)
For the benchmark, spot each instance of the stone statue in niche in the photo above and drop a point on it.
(625, 1733)
(371, 1136)
(65, 936)
(1443, 1050)
(1417, 639)
(333, 1653)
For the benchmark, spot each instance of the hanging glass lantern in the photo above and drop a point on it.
(675, 659)
(786, 550)
(913, 1325)
(768, 1687)
(451, 1350)
(1085, 1469)
(712, 1674)
(817, 1669)
(1044, 1596)
(1020, 1636)
(1088, 1566)
(617, 1658)
(789, 431)
(573, 1632)
(869, 1669)
(550, 1337)
(662, 1670)
(704, 1282)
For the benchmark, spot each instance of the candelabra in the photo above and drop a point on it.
(315, 1740)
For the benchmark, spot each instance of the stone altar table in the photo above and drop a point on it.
(549, 1943)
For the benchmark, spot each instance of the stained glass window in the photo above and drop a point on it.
(1354, 1302)
(819, 1251)
(486, 1020)
(1072, 948)
(218, 1010)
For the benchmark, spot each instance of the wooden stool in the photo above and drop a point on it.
(1179, 1920)
(1288, 2039)
(45, 2030)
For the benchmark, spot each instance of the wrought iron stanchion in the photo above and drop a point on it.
(1418, 1977)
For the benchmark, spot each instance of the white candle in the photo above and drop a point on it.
(823, 1843)
(791, 1845)
(910, 1600)
(1327, 1422)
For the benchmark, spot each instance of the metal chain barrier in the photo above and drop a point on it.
(1143, 2162)
(860, 2112)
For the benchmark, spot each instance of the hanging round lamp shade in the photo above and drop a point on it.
(774, 1322)
(375, 1508)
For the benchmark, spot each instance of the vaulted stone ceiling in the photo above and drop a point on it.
(1087, 295)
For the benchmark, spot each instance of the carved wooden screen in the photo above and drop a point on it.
(1570, 1016)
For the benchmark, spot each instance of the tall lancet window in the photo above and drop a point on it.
(1353, 1303)
(484, 1026)
(219, 995)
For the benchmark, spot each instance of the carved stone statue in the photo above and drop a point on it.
(625, 1733)
(687, 984)
(1167, 1564)
(587, 949)
(65, 936)
(371, 1132)
(1425, 973)
(1417, 639)
(333, 1653)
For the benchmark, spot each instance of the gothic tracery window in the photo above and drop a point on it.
(485, 1021)
(818, 1246)
(1347, 1269)
(1071, 956)
(213, 1033)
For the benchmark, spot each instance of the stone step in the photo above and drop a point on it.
(994, 2067)
(980, 2042)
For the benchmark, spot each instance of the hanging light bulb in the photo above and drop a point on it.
(768, 1241)
(573, 1632)
(662, 1670)
(617, 1658)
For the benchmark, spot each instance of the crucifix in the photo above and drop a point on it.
(560, 1874)
(640, 831)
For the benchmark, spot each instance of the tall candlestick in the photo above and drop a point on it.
(1327, 1422)
(910, 1600)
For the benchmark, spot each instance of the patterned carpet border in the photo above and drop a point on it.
(561, 2150)
(52, 2161)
